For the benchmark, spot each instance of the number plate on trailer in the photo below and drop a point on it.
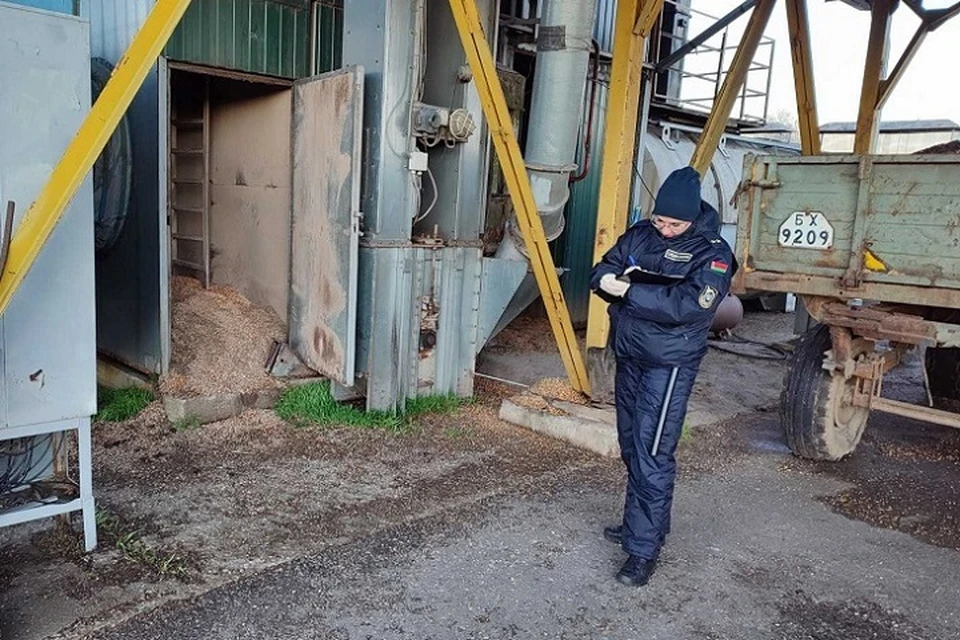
(806, 230)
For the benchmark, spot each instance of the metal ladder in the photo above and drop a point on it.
(189, 208)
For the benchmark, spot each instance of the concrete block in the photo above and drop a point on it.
(219, 407)
(579, 430)
(113, 376)
(205, 409)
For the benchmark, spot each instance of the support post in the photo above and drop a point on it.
(887, 86)
(736, 76)
(876, 62)
(801, 53)
(495, 110)
(635, 19)
(39, 221)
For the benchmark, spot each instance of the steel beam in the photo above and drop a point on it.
(484, 69)
(39, 221)
(801, 53)
(878, 45)
(705, 35)
(938, 17)
(634, 20)
(736, 76)
(888, 85)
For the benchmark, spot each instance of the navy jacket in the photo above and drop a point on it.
(668, 324)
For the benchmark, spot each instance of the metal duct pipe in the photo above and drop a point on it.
(563, 54)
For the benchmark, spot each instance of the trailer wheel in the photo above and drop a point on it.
(943, 369)
(818, 417)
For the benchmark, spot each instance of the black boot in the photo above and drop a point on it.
(636, 571)
(614, 534)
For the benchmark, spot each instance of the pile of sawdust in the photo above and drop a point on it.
(559, 389)
(220, 340)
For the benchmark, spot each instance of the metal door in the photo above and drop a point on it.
(327, 130)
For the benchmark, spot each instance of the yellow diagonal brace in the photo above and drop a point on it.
(518, 182)
(635, 18)
(39, 221)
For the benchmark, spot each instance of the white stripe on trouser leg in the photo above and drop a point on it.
(667, 399)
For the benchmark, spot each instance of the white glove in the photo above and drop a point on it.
(614, 287)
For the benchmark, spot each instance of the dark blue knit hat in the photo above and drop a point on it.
(679, 197)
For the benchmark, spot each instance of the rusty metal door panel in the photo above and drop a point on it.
(327, 130)
(894, 220)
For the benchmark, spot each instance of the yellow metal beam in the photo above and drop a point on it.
(877, 47)
(635, 19)
(736, 76)
(505, 142)
(39, 221)
(800, 50)
(888, 85)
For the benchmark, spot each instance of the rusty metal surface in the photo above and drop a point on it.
(817, 285)
(875, 323)
(327, 126)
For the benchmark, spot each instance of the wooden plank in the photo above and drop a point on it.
(800, 51)
(876, 62)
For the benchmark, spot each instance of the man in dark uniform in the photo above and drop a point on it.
(665, 279)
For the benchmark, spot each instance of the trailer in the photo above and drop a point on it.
(872, 245)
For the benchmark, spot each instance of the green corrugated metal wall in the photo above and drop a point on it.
(574, 249)
(258, 36)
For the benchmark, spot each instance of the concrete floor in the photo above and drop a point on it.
(756, 553)
(470, 528)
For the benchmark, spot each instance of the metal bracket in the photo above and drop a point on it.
(6, 234)
(666, 135)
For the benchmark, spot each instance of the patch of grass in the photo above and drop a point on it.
(686, 434)
(313, 404)
(117, 405)
(442, 405)
(188, 423)
(113, 532)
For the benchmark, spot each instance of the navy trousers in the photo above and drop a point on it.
(642, 394)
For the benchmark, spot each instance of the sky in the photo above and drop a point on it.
(930, 88)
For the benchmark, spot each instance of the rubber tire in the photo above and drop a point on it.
(943, 369)
(817, 424)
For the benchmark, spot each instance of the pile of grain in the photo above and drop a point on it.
(534, 402)
(220, 341)
(559, 389)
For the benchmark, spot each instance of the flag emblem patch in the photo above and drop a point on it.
(719, 266)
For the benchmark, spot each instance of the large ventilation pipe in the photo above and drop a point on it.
(563, 52)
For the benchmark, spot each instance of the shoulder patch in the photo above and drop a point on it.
(707, 297)
(677, 256)
(719, 266)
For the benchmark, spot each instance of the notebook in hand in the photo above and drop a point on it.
(639, 275)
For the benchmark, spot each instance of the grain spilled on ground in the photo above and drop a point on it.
(221, 341)
(559, 389)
